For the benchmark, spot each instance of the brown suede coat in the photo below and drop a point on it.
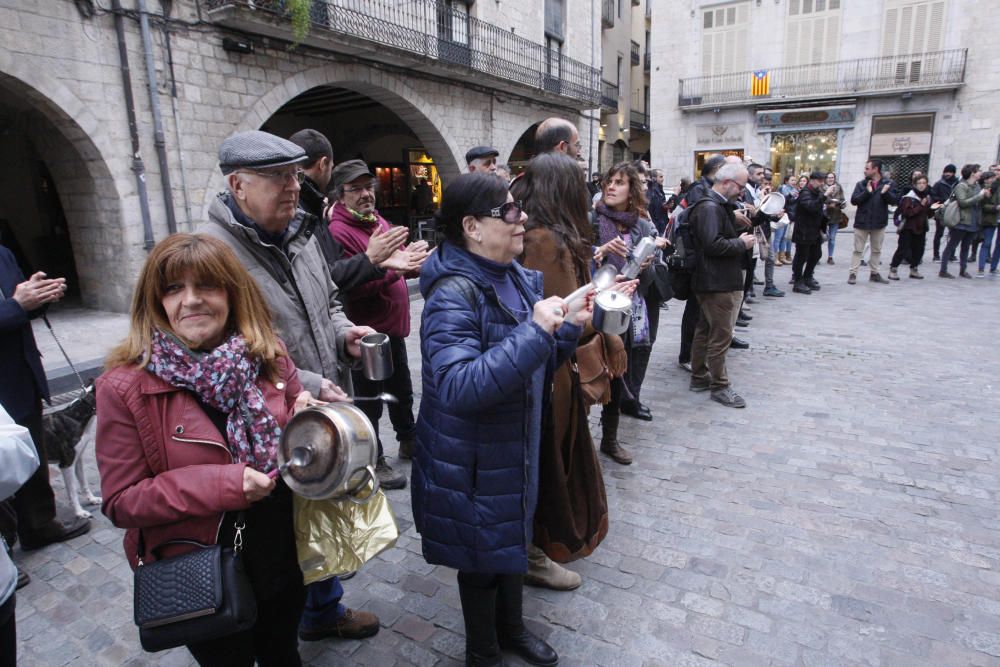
(572, 514)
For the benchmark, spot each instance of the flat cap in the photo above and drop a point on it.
(345, 172)
(257, 150)
(480, 152)
(818, 175)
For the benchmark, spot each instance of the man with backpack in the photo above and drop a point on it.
(717, 281)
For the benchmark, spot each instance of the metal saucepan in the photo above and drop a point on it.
(772, 203)
(344, 450)
(376, 358)
(612, 312)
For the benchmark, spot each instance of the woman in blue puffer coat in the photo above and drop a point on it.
(490, 344)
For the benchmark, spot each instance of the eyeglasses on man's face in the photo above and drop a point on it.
(370, 186)
(279, 177)
(509, 212)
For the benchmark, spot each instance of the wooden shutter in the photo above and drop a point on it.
(724, 39)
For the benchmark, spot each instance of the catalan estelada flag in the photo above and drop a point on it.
(760, 83)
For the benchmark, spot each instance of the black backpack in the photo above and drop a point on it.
(684, 258)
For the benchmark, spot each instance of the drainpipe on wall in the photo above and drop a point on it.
(138, 168)
(173, 110)
(593, 27)
(159, 140)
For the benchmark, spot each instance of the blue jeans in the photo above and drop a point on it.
(984, 250)
(831, 237)
(777, 238)
(323, 603)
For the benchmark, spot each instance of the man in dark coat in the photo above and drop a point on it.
(31, 515)
(718, 282)
(940, 193)
(810, 221)
(658, 209)
(873, 195)
(347, 272)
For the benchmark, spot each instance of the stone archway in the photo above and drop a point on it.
(391, 90)
(73, 144)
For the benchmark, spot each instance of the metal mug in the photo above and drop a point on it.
(376, 357)
(612, 312)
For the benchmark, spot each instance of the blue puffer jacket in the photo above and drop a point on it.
(475, 475)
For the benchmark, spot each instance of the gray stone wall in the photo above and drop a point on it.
(78, 88)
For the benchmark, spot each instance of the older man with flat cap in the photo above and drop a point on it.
(482, 159)
(258, 217)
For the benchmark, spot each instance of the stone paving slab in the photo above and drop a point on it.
(846, 517)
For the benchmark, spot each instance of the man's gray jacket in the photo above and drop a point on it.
(307, 313)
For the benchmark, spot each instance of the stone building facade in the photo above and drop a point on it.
(912, 82)
(454, 74)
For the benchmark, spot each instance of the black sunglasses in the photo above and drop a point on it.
(509, 212)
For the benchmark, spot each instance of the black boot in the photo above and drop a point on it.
(479, 613)
(511, 631)
(609, 440)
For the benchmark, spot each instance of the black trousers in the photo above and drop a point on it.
(748, 281)
(399, 385)
(688, 323)
(938, 235)
(911, 248)
(638, 355)
(273, 640)
(33, 507)
(8, 633)
(807, 256)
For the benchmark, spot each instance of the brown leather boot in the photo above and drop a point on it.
(609, 440)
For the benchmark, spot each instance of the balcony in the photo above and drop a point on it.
(865, 77)
(425, 35)
(638, 120)
(635, 53)
(609, 97)
(607, 14)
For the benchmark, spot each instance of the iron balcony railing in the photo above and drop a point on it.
(609, 96)
(435, 30)
(635, 52)
(608, 13)
(914, 72)
(639, 120)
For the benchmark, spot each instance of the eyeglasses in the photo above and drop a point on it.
(370, 187)
(282, 177)
(509, 212)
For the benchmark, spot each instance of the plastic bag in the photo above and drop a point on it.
(334, 537)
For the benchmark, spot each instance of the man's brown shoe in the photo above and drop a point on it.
(353, 624)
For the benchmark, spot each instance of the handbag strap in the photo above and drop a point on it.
(240, 524)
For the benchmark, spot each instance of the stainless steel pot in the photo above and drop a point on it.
(612, 312)
(344, 451)
(376, 358)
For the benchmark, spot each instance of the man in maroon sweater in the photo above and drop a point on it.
(383, 304)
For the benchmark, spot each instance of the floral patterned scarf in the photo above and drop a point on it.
(225, 379)
(608, 223)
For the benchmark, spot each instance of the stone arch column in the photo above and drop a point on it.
(77, 155)
(391, 90)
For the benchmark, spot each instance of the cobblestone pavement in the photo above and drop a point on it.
(846, 517)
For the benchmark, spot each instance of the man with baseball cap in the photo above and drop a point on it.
(383, 303)
(258, 217)
(482, 159)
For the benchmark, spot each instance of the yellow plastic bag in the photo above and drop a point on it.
(334, 537)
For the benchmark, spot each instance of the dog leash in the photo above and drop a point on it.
(79, 379)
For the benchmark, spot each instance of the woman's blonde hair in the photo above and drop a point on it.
(209, 261)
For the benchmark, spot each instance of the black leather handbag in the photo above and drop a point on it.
(661, 289)
(201, 595)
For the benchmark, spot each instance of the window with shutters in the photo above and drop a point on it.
(912, 28)
(724, 38)
(812, 37)
(555, 18)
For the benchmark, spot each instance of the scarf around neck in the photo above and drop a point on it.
(225, 379)
(608, 223)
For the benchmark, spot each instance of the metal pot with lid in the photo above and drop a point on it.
(329, 451)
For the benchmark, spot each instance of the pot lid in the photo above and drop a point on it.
(316, 430)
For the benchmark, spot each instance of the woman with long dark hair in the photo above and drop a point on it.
(572, 513)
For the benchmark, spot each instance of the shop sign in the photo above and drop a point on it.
(719, 135)
(911, 143)
(816, 117)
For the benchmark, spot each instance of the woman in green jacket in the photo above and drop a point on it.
(969, 196)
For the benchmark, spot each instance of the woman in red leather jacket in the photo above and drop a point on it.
(190, 412)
